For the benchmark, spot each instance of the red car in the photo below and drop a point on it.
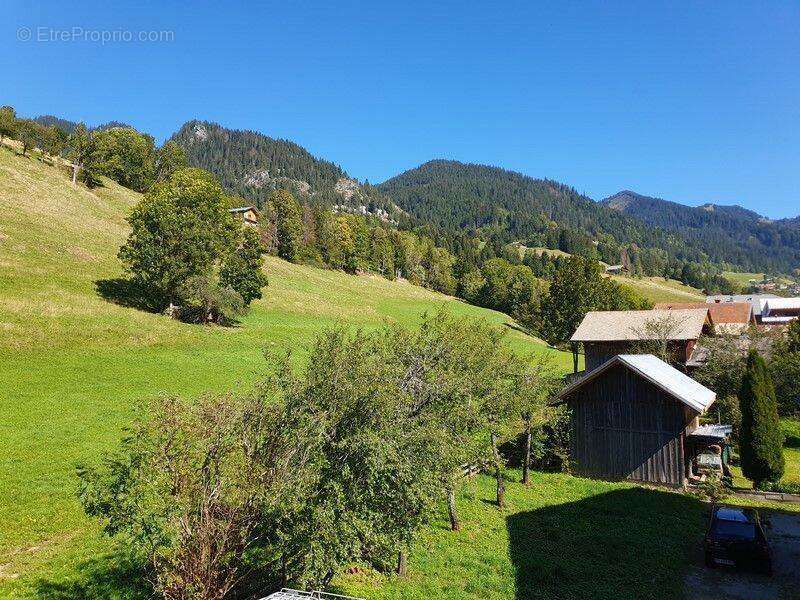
(735, 538)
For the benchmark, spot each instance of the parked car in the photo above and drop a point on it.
(735, 538)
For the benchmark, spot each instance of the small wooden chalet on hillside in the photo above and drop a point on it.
(636, 417)
(605, 334)
(248, 214)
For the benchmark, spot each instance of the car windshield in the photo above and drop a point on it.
(735, 529)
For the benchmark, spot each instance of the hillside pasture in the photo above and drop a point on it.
(77, 358)
(659, 289)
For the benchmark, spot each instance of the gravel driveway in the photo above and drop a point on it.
(783, 533)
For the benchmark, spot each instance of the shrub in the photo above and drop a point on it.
(205, 301)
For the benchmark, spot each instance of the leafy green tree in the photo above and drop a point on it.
(571, 295)
(8, 122)
(180, 229)
(126, 156)
(289, 230)
(376, 481)
(471, 286)
(168, 159)
(80, 150)
(198, 489)
(382, 260)
(438, 266)
(242, 270)
(52, 140)
(29, 134)
(761, 438)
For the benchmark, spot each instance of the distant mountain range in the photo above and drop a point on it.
(726, 233)
(506, 206)
(251, 165)
(69, 126)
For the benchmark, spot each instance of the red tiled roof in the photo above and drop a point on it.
(723, 312)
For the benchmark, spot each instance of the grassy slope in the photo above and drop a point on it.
(563, 537)
(658, 289)
(73, 365)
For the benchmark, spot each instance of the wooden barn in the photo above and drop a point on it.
(632, 418)
(605, 334)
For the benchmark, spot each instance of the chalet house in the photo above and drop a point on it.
(780, 311)
(757, 301)
(727, 318)
(636, 417)
(248, 214)
(605, 334)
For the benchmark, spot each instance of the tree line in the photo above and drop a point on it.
(340, 463)
(483, 271)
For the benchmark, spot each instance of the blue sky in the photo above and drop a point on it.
(690, 101)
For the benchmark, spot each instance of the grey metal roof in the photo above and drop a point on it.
(632, 325)
(290, 594)
(712, 431)
(676, 384)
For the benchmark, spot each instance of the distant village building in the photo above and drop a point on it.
(727, 318)
(636, 417)
(780, 311)
(605, 334)
(756, 301)
(248, 214)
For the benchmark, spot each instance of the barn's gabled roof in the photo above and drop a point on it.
(244, 209)
(632, 325)
(668, 378)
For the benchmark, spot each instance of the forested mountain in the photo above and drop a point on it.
(726, 233)
(69, 126)
(251, 165)
(537, 212)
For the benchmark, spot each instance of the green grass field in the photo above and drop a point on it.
(563, 537)
(74, 364)
(658, 289)
(742, 279)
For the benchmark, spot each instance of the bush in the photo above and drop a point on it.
(205, 301)
(712, 489)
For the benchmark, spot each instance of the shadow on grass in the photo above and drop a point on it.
(127, 293)
(104, 578)
(630, 543)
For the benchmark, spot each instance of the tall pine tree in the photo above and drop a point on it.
(761, 439)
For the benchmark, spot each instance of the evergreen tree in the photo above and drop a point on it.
(761, 439)
(289, 228)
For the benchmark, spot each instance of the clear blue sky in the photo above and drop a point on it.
(690, 101)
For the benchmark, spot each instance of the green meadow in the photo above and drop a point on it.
(75, 363)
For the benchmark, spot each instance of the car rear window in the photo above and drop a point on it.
(735, 529)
